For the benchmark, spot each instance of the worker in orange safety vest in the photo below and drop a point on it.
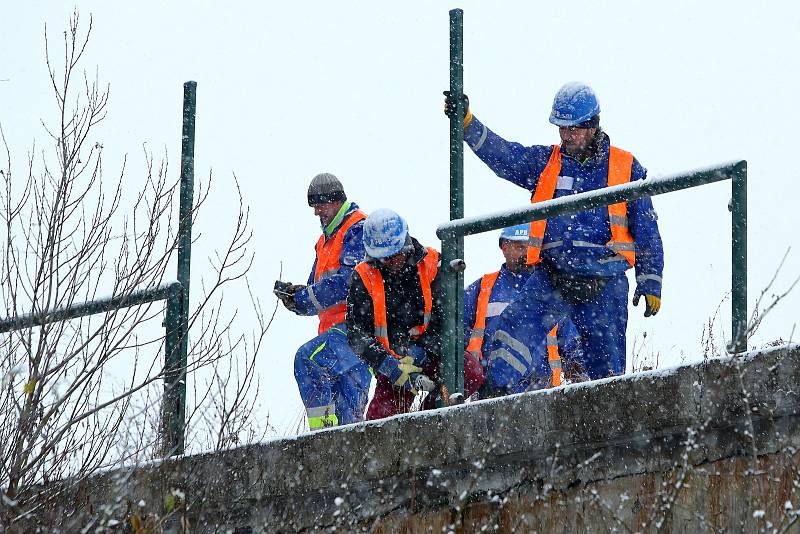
(581, 259)
(484, 301)
(333, 382)
(394, 314)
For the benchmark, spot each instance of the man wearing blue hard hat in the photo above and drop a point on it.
(581, 259)
(394, 315)
(485, 300)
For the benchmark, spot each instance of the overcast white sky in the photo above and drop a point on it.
(290, 89)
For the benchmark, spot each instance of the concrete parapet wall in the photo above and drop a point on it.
(703, 447)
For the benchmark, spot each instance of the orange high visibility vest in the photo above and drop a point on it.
(553, 357)
(620, 164)
(479, 328)
(328, 253)
(373, 282)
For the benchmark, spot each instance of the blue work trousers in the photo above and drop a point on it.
(329, 373)
(601, 323)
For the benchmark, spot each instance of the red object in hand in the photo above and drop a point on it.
(473, 374)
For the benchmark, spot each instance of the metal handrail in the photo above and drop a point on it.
(591, 199)
(104, 305)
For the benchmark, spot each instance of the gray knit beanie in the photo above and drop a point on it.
(325, 188)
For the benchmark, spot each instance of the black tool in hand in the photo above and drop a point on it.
(282, 290)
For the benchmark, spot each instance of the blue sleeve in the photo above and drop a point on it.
(470, 308)
(313, 269)
(569, 342)
(643, 222)
(333, 289)
(510, 161)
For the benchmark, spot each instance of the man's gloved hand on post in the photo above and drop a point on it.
(403, 373)
(423, 383)
(450, 107)
(652, 303)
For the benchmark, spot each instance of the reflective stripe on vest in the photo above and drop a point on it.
(427, 272)
(545, 190)
(620, 165)
(373, 282)
(328, 255)
(479, 328)
(553, 357)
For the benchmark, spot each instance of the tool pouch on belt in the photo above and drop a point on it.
(576, 289)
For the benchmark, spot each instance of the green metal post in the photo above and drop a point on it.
(171, 421)
(453, 247)
(739, 260)
(175, 387)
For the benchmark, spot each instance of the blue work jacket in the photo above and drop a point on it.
(505, 289)
(331, 290)
(576, 243)
(505, 378)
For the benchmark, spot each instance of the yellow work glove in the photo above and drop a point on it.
(406, 367)
(400, 371)
(652, 304)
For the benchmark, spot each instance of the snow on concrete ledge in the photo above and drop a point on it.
(427, 461)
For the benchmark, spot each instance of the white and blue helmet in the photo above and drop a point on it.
(574, 103)
(515, 233)
(385, 233)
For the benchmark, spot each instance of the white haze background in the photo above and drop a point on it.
(287, 90)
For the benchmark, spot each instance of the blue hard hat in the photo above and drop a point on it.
(385, 233)
(574, 103)
(515, 233)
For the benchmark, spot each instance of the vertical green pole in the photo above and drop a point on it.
(170, 422)
(185, 244)
(176, 370)
(453, 248)
(739, 259)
